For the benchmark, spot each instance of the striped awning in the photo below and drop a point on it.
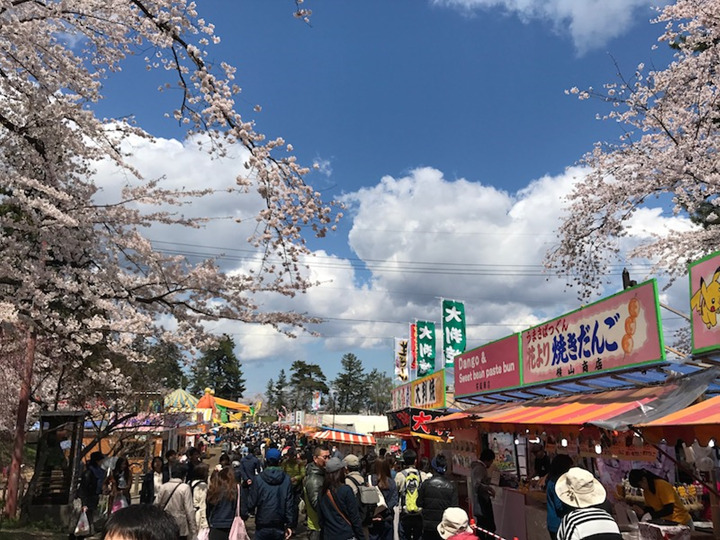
(615, 409)
(700, 421)
(345, 437)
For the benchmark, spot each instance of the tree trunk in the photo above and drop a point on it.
(13, 485)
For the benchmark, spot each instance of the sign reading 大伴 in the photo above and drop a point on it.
(705, 303)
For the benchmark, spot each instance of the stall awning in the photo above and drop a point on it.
(345, 437)
(700, 421)
(615, 409)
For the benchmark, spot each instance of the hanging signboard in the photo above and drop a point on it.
(615, 333)
(705, 303)
(416, 420)
(401, 397)
(489, 368)
(429, 392)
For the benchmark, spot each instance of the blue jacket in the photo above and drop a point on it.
(271, 498)
(249, 467)
(556, 509)
(334, 525)
(222, 514)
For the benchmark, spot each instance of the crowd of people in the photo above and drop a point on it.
(290, 485)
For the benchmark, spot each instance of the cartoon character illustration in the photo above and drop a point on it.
(706, 300)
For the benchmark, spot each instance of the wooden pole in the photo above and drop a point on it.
(13, 485)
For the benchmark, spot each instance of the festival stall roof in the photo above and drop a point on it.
(700, 421)
(234, 405)
(614, 410)
(464, 419)
(345, 437)
(180, 400)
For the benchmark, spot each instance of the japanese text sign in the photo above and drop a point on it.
(401, 397)
(425, 347)
(413, 347)
(401, 359)
(429, 392)
(489, 368)
(453, 328)
(705, 303)
(614, 333)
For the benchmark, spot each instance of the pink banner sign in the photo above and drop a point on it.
(615, 333)
(489, 368)
(705, 303)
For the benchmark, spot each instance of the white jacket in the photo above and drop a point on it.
(176, 499)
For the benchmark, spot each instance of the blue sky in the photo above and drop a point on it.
(445, 128)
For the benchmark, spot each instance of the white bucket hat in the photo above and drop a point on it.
(454, 521)
(579, 488)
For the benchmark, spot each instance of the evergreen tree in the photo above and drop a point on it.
(281, 391)
(304, 380)
(350, 385)
(378, 392)
(167, 365)
(218, 368)
(270, 395)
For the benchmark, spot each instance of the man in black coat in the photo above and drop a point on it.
(436, 494)
(271, 500)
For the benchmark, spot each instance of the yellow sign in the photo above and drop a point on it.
(428, 392)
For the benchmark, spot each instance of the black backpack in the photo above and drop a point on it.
(367, 501)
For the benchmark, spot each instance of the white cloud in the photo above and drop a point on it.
(590, 23)
(417, 238)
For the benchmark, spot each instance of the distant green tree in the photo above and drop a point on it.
(166, 365)
(304, 380)
(281, 391)
(351, 385)
(378, 392)
(270, 396)
(218, 368)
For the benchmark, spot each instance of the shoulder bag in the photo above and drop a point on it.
(238, 530)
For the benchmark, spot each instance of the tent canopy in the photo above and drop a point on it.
(345, 437)
(700, 421)
(614, 410)
(180, 400)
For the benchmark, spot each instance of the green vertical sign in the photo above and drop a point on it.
(453, 325)
(425, 347)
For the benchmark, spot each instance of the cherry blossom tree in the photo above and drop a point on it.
(669, 151)
(78, 277)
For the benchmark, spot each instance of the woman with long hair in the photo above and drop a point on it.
(382, 525)
(118, 485)
(661, 499)
(152, 481)
(556, 509)
(338, 506)
(222, 495)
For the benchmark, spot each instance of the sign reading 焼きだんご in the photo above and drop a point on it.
(615, 333)
(705, 303)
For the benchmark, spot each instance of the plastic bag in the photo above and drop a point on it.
(238, 530)
(203, 534)
(119, 503)
(83, 525)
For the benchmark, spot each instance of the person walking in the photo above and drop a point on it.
(271, 500)
(90, 488)
(556, 509)
(152, 481)
(382, 525)
(408, 482)
(339, 511)
(295, 469)
(118, 485)
(482, 491)
(582, 492)
(175, 498)
(221, 503)
(198, 490)
(314, 480)
(437, 493)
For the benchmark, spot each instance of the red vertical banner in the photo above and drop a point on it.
(413, 347)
